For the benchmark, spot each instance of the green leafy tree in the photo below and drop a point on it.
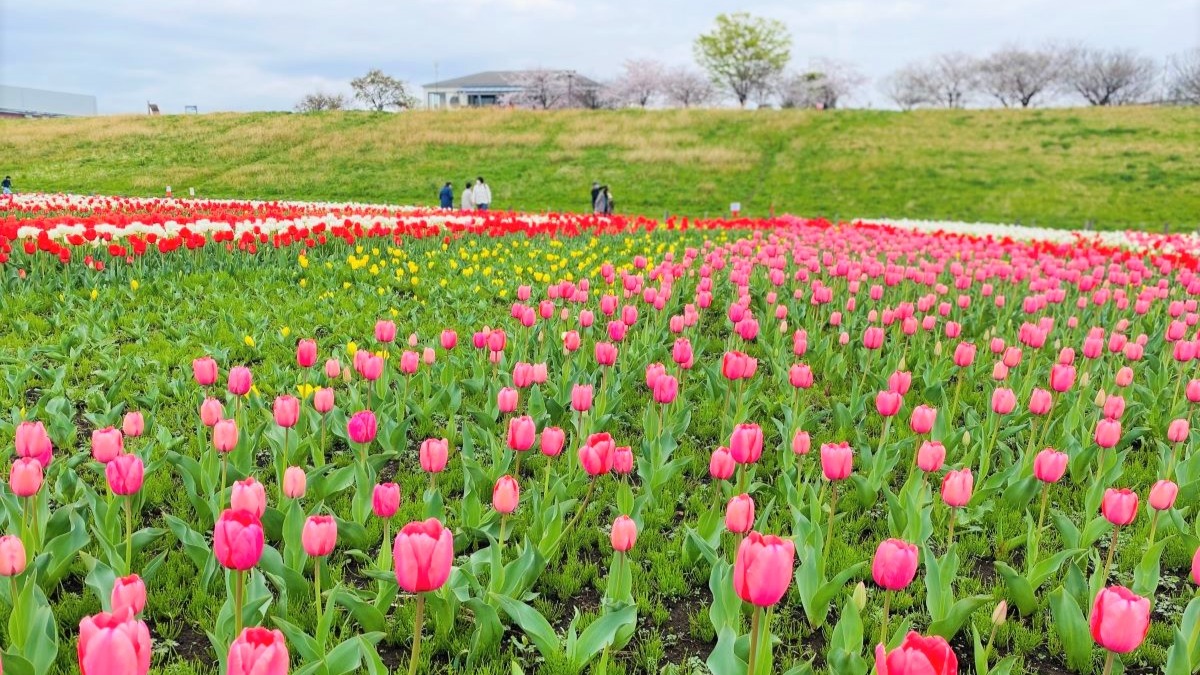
(379, 91)
(744, 54)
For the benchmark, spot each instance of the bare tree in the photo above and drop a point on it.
(950, 79)
(1109, 77)
(542, 89)
(600, 97)
(379, 91)
(686, 87)
(906, 87)
(1184, 77)
(825, 85)
(1016, 76)
(320, 101)
(640, 82)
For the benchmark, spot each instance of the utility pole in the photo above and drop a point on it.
(436, 83)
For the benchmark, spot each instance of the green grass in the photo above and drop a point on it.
(1122, 167)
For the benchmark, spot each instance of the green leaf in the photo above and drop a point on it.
(601, 633)
(535, 626)
(1072, 630)
(344, 658)
(949, 625)
(1146, 574)
(1020, 591)
(724, 659)
(303, 642)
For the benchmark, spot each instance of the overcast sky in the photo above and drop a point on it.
(265, 54)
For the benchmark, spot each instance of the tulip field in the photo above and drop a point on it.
(313, 438)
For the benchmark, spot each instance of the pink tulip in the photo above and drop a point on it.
(409, 362)
(837, 460)
(801, 442)
(31, 440)
(1192, 391)
(763, 570)
(225, 435)
(597, 455)
(238, 539)
(1040, 402)
(125, 474)
(923, 419)
(964, 354)
(1124, 376)
(113, 644)
(1162, 495)
(240, 381)
(25, 477)
(606, 354)
(434, 454)
(372, 368)
(917, 655)
(12, 556)
(204, 370)
(1108, 433)
(385, 500)
(422, 554)
(258, 651)
(1120, 619)
(497, 340)
(873, 338)
(1119, 507)
(306, 353)
(540, 373)
(721, 466)
(295, 482)
(957, 487)
(506, 494)
(107, 444)
(624, 534)
(449, 339)
(1178, 431)
(895, 564)
(128, 593)
(930, 456)
(681, 352)
(1003, 401)
(362, 427)
(385, 331)
(552, 441)
(521, 433)
(900, 382)
(211, 412)
(133, 425)
(666, 388)
(323, 400)
(249, 495)
(746, 443)
(739, 514)
(800, 376)
(506, 399)
(1062, 377)
(319, 536)
(1049, 465)
(623, 460)
(287, 411)
(888, 403)
(333, 369)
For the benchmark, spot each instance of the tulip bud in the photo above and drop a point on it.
(860, 596)
(1000, 614)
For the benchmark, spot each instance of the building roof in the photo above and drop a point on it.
(498, 79)
(25, 101)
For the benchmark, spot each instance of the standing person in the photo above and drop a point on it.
(6, 185)
(600, 205)
(468, 198)
(595, 193)
(482, 194)
(608, 201)
(446, 196)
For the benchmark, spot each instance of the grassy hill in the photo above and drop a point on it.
(1121, 167)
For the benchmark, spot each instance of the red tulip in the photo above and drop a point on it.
(1119, 507)
(422, 553)
(25, 477)
(739, 514)
(895, 564)
(1120, 619)
(319, 536)
(930, 456)
(506, 494)
(362, 427)
(721, 466)
(957, 487)
(306, 353)
(125, 474)
(238, 539)
(917, 655)
(434, 454)
(128, 593)
(1049, 465)
(258, 651)
(597, 455)
(113, 644)
(763, 569)
(624, 534)
(12, 556)
(385, 500)
(552, 441)
(204, 370)
(837, 460)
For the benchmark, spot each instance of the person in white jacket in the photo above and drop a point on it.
(482, 194)
(468, 197)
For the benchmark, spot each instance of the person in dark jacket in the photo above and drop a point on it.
(595, 193)
(446, 196)
(6, 185)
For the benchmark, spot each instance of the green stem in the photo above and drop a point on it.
(832, 512)
(128, 534)
(887, 427)
(987, 651)
(1108, 664)
(418, 622)
(950, 536)
(957, 392)
(238, 590)
(1037, 534)
(317, 596)
(224, 465)
(387, 526)
(1111, 549)
(321, 457)
(1153, 526)
(887, 605)
(586, 497)
(753, 641)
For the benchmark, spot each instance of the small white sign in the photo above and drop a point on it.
(735, 206)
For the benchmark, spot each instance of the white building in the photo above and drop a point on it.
(27, 102)
(492, 87)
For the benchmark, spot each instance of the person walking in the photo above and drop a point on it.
(482, 194)
(600, 205)
(446, 196)
(6, 185)
(608, 201)
(468, 198)
(595, 193)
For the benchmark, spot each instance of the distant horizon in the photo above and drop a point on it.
(241, 56)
